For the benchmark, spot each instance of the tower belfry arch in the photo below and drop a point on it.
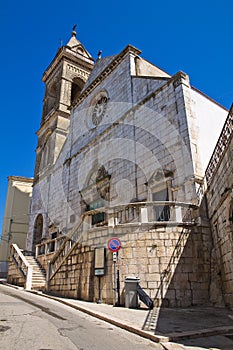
(64, 80)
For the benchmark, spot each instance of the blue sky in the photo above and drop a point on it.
(192, 36)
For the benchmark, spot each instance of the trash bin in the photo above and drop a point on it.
(131, 296)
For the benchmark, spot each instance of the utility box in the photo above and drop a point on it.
(131, 296)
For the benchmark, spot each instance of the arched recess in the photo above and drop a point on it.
(76, 88)
(96, 193)
(37, 232)
(231, 212)
(46, 156)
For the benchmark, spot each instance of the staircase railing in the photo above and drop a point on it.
(22, 265)
(65, 249)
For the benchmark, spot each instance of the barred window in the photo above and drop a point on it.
(98, 217)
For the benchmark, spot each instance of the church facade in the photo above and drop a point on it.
(122, 152)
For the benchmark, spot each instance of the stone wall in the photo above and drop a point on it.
(173, 264)
(220, 204)
(14, 276)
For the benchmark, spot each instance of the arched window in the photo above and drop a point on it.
(76, 88)
(50, 99)
(96, 193)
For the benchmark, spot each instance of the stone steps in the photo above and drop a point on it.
(38, 274)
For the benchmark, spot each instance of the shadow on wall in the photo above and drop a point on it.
(185, 282)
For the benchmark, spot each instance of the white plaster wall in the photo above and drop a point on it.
(210, 118)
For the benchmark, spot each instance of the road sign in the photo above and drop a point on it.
(99, 272)
(114, 244)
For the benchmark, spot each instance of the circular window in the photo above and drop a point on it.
(99, 110)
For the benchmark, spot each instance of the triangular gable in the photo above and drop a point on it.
(75, 45)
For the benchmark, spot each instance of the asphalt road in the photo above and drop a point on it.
(31, 322)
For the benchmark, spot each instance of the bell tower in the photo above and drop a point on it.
(64, 79)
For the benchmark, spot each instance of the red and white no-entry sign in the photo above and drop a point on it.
(114, 244)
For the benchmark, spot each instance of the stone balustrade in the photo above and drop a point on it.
(159, 213)
(49, 246)
(220, 147)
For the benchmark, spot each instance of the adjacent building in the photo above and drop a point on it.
(16, 217)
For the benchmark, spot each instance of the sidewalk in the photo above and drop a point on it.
(191, 328)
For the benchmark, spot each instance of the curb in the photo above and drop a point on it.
(208, 332)
(144, 334)
(147, 335)
(155, 338)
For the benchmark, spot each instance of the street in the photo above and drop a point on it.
(31, 322)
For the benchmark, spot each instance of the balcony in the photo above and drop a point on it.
(158, 213)
(151, 214)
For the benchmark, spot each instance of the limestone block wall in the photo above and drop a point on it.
(152, 137)
(14, 276)
(44, 260)
(220, 204)
(173, 264)
(142, 87)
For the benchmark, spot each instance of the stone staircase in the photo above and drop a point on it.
(38, 274)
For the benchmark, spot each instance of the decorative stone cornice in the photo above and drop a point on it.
(20, 178)
(160, 175)
(70, 56)
(83, 74)
(180, 78)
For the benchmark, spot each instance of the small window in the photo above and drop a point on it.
(161, 212)
(98, 217)
(52, 244)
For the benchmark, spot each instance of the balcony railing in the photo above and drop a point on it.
(138, 213)
(159, 212)
(156, 213)
(221, 146)
(49, 246)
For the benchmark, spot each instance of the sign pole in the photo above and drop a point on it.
(99, 290)
(114, 244)
(114, 255)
